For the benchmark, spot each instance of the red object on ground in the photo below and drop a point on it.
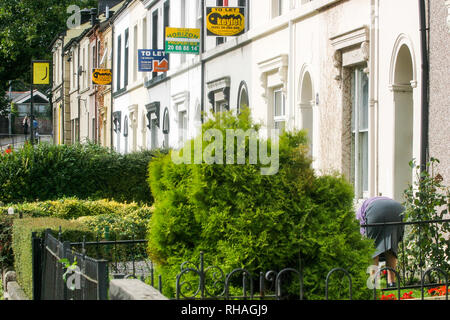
(437, 291)
(388, 297)
(407, 295)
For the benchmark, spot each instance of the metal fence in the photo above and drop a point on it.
(423, 268)
(126, 258)
(214, 283)
(16, 141)
(197, 281)
(50, 280)
(98, 261)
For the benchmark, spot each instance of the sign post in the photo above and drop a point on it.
(40, 75)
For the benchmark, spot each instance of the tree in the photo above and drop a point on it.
(27, 28)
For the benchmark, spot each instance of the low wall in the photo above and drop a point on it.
(133, 289)
(11, 289)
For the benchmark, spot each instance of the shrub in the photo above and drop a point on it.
(121, 221)
(48, 172)
(426, 245)
(73, 208)
(6, 254)
(241, 218)
(22, 245)
(126, 227)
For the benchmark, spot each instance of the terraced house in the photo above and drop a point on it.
(347, 71)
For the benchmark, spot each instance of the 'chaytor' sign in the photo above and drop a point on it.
(225, 21)
(102, 77)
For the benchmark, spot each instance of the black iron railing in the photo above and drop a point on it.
(402, 273)
(16, 141)
(213, 283)
(126, 258)
(88, 280)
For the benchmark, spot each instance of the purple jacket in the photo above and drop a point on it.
(361, 214)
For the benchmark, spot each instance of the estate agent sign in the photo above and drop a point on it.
(102, 76)
(41, 72)
(182, 40)
(225, 21)
(152, 60)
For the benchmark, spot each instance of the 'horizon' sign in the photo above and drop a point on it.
(182, 40)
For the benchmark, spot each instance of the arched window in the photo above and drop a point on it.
(243, 100)
(166, 127)
(125, 127)
(404, 120)
(125, 133)
(307, 108)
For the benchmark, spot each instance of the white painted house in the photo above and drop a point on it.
(346, 71)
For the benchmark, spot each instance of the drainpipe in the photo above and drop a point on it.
(78, 93)
(112, 86)
(425, 86)
(10, 108)
(291, 70)
(373, 96)
(202, 37)
(63, 124)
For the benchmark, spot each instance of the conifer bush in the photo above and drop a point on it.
(240, 218)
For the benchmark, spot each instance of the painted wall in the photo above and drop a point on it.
(439, 82)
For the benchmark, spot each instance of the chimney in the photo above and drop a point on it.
(93, 16)
(85, 15)
(107, 12)
(102, 4)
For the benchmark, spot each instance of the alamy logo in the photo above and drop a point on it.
(235, 144)
(74, 21)
(72, 276)
(373, 282)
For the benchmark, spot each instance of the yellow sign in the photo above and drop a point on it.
(225, 21)
(41, 72)
(102, 76)
(182, 40)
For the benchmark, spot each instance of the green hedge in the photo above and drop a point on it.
(1, 289)
(242, 219)
(107, 219)
(88, 171)
(21, 243)
(6, 253)
(73, 208)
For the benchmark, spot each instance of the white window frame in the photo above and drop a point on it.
(134, 51)
(360, 172)
(183, 122)
(279, 118)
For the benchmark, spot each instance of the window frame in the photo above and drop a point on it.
(279, 118)
(359, 134)
(126, 56)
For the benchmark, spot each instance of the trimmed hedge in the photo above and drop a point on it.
(123, 221)
(21, 243)
(73, 208)
(86, 171)
(242, 219)
(6, 253)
